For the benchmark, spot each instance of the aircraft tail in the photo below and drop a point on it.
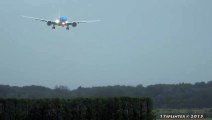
(59, 13)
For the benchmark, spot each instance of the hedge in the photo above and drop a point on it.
(116, 108)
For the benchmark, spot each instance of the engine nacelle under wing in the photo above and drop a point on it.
(74, 24)
(49, 23)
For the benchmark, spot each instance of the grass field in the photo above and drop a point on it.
(187, 119)
(206, 112)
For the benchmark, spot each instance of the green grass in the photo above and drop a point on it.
(187, 119)
(206, 112)
(193, 110)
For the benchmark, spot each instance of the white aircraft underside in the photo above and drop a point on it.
(62, 21)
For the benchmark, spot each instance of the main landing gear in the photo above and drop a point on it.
(67, 28)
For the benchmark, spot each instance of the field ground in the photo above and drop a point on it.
(206, 112)
(187, 119)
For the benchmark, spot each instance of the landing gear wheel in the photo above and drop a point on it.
(53, 27)
(67, 28)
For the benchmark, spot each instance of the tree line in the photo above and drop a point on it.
(116, 108)
(182, 95)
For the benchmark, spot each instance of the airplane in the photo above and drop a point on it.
(62, 21)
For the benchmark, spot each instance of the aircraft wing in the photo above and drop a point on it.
(43, 20)
(90, 21)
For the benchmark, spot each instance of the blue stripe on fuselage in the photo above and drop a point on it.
(63, 18)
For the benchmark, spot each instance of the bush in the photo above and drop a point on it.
(117, 108)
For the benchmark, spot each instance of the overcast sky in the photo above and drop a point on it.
(137, 42)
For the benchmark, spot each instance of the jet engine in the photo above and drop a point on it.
(49, 23)
(74, 24)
